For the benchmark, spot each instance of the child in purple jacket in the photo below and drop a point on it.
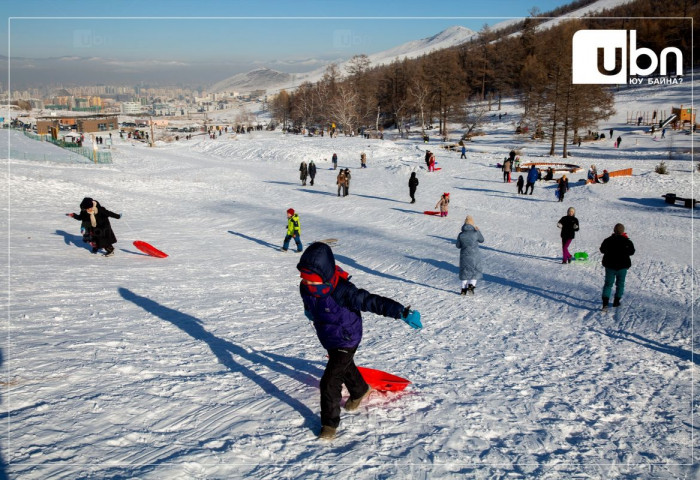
(334, 305)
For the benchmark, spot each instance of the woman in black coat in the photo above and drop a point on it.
(569, 227)
(96, 218)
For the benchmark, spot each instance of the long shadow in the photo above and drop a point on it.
(558, 297)
(353, 264)
(75, 240)
(524, 198)
(681, 353)
(523, 255)
(256, 240)
(317, 192)
(281, 183)
(649, 202)
(407, 211)
(487, 190)
(378, 198)
(226, 352)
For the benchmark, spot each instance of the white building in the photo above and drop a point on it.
(131, 107)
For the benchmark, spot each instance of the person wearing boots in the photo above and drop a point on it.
(469, 255)
(334, 305)
(617, 250)
(293, 231)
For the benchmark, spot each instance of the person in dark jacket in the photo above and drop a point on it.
(335, 160)
(569, 227)
(532, 176)
(412, 185)
(617, 250)
(303, 173)
(563, 187)
(521, 182)
(470, 269)
(312, 171)
(606, 176)
(334, 305)
(96, 218)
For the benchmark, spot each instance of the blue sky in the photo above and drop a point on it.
(237, 34)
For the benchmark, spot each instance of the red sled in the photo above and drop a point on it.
(431, 212)
(149, 249)
(382, 381)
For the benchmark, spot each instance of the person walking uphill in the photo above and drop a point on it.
(96, 220)
(303, 173)
(293, 231)
(617, 250)
(334, 305)
(312, 171)
(340, 181)
(507, 167)
(443, 204)
(569, 227)
(469, 255)
(412, 185)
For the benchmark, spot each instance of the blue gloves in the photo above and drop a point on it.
(412, 317)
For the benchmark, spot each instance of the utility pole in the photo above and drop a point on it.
(151, 121)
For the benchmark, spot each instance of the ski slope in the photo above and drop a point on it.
(202, 364)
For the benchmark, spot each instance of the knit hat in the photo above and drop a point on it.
(447, 194)
(290, 211)
(86, 203)
(469, 220)
(619, 229)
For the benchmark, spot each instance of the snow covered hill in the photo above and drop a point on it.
(202, 365)
(275, 81)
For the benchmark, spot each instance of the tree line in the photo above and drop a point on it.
(462, 84)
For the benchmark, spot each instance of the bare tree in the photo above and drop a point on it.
(344, 107)
(420, 92)
(472, 113)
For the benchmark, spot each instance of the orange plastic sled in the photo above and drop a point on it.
(149, 249)
(382, 381)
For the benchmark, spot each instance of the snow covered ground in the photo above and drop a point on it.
(202, 365)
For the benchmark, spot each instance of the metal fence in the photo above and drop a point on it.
(95, 156)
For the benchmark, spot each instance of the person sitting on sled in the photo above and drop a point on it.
(334, 305)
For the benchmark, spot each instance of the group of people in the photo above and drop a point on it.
(306, 171)
(430, 160)
(343, 182)
(593, 177)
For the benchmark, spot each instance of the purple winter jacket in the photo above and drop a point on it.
(336, 311)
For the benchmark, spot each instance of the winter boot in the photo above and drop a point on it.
(470, 289)
(605, 303)
(352, 405)
(327, 433)
(109, 251)
(616, 302)
(464, 291)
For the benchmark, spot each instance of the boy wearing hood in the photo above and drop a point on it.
(334, 305)
(293, 231)
(617, 250)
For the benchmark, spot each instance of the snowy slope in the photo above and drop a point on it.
(202, 365)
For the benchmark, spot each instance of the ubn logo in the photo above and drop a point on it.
(590, 46)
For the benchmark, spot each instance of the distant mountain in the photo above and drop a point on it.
(260, 78)
(274, 81)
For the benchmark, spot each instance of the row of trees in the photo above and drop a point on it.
(462, 84)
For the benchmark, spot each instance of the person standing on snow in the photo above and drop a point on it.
(346, 187)
(334, 305)
(569, 226)
(469, 255)
(521, 182)
(563, 187)
(303, 173)
(96, 220)
(617, 250)
(340, 181)
(443, 204)
(412, 185)
(293, 231)
(619, 141)
(335, 161)
(464, 152)
(312, 171)
(532, 176)
(507, 167)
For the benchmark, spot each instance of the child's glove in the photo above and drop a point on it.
(71, 215)
(412, 317)
(308, 315)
